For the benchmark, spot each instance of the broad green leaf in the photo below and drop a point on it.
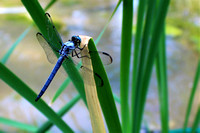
(105, 93)
(126, 42)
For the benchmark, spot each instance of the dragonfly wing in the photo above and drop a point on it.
(83, 69)
(68, 63)
(76, 59)
(52, 33)
(48, 50)
(97, 77)
(105, 57)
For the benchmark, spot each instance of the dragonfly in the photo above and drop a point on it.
(68, 50)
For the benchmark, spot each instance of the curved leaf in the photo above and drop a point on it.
(105, 93)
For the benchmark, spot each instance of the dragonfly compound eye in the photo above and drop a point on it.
(76, 40)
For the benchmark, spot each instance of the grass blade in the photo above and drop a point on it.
(117, 99)
(196, 121)
(10, 51)
(152, 51)
(194, 88)
(63, 86)
(19, 86)
(138, 70)
(138, 35)
(17, 124)
(105, 27)
(105, 94)
(61, 89)
(50, 4)
(162, 84)
(126, 41)
(47, 125)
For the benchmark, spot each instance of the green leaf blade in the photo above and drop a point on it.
(126, 41)
(48, 124)
(19, 86)
(191, 99)
(105, 93)
(17, 124)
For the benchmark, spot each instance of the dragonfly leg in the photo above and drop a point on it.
(74, 53)
(82, 47)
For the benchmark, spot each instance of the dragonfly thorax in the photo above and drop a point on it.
(67, 48)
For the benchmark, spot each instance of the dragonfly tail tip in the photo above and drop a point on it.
(37, 99)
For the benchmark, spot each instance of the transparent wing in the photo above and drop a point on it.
(106, 60)
(76, 60)
(48, 50)
(82, 70)
(98, 81)
(52, 34)
(105, 57)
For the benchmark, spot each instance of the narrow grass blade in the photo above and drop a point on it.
(63, 86)
(117, 99)
(10, 51)
(126, 41)
(105, 27)
(138, 70)
(194, 88)
(38, 15)
(162, 84)
(138, 35)
(17, 124)
(21, 37)
(19, 86)
(105, 94)
(47, 125)
(152, 51)
(61, 89)
(196, 121)
(50, 4)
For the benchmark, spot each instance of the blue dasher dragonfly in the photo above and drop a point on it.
(68, 50)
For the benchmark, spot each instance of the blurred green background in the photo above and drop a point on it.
(29, 62)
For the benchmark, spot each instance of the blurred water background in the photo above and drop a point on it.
(80, 17)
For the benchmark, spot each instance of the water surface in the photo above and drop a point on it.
(29, 62)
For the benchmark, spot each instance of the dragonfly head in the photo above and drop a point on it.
(76, 40)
